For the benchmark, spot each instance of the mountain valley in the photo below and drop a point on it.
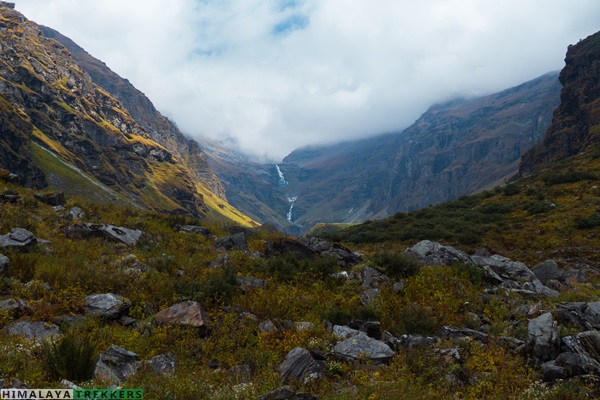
(458, 258)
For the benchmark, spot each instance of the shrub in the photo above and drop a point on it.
(71, 358)
(569, 177)
(287, 268)
(414, 319)
(511, 189)
(534, 208)
(22, 266)
(398, 265)
(588, 223)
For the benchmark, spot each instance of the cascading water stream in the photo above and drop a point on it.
(282, 181)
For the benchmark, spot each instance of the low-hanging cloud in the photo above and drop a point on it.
(274, 75)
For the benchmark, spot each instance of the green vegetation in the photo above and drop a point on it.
(54, 281)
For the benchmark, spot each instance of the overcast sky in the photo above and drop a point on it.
(274, 75)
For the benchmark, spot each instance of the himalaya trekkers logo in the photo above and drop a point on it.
(54, 394)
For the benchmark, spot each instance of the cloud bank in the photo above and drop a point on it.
(274, 75)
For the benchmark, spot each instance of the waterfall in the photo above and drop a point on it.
(282, 181)
(291, 200)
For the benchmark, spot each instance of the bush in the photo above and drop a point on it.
(511, 189)
(71, 358)
(287, 268)
(22, 266)
(538, 208)
(569, 177)
(414, 319)
(588, 223)
(218, 287)
(397, 265)
(343, 317)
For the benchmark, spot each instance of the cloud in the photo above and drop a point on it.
(273, 75)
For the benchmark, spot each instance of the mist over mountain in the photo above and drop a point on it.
(454, 148)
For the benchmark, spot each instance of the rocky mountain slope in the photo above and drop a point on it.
(576, 123)
(73, 135)
(453, 149)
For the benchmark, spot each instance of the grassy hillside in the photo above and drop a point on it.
(551, 214)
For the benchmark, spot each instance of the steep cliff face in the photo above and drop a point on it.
(46, 98)
(576, 122)
(453, 149)
(158, 127)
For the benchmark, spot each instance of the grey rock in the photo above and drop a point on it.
(115, 234)
(543, 340)
(591, 315)
(247, 283)
(106, 305)
(547, 270)
(369, 278)
(196, 229)
(296, 248)
(18, 237)
(572, 314)
(233, 242)
(505, 267)
(568, 365)
(415, 341)
(304, 326)
(75, 214)
(52, 199)
(15, 307)
(369, 296)
(4, 261)
(363, 347)
(186, 313)
(116, 364)
(240, 373)
(345, 332)
(587, 343)
(371, 328)
(299, 365)
(432, 253)
(163, 364)
(268, 327)
(345, 257)
(451, 332)
(37, 331)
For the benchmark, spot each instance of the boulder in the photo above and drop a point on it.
(292, 247)
(75, 214)
(363, 347)
(410, 341)
(269, 326)
(163, 364)
(345, 332)
(195, 229)
(451, 332)
(19, 237)
(107, 305)
(247, 283)
(543, 340)
(116, 234)
(432, 253)
(116, 364)
(572, 314)
(587, 343)
(52, 199)
(186, 313)
(299, 365)
(3, 264)
(369, 278)
(37, 331)
(233, 242)
(371, 328)
(345, 257)
(568, 365)
(14, 307)
(547, 270)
